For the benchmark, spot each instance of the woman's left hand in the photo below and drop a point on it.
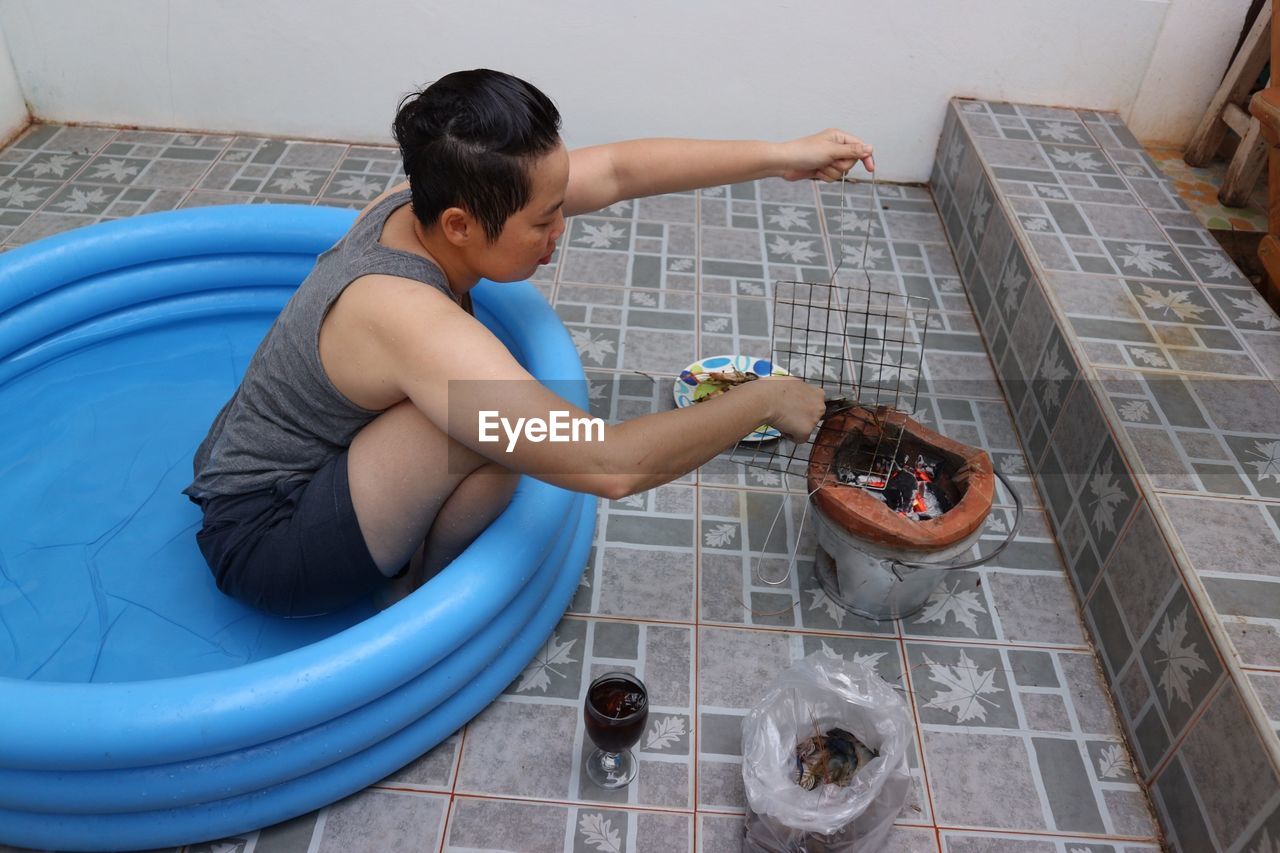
(825, 156)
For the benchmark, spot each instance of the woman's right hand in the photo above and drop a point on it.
(795, 406)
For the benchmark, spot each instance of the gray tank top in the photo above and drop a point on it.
(286, 419)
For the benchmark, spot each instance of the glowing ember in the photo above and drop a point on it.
(915, 485)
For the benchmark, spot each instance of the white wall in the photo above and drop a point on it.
(1190, 58)
(731, 68)
(13, 108)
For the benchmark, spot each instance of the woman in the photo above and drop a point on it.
(352, 451)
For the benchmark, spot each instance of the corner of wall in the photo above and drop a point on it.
(15, 112)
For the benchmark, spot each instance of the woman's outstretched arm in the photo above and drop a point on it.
(603, 174)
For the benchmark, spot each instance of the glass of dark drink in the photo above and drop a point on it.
(616, 711)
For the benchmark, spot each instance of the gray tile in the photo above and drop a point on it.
(46, 225)
(1141, 572)
(48, 165)
(25, 194)
(1181, 812)
(83, 198)
(998, 792)
(1265, 834)
(556, 670)
(356, 186)
(1111, 222)
(960, 842)
(1067, 785)
(720, 785)
(620, 640)
(1108, 629)
(1229, 767)
(1266, 686)
(622, 396)
(1212, 266)
(906, 839)
(541, 734)
(958, 608)
(1036, 608)
(291, 836)
(1181, 662)
(961, 685)
(171, 174)
(1091, 295)
(1225, 536)
(1148, 259)
(656, 833)
(431, 772)
(735, 666)
(718, 833)
(1151, 737)
(384, 820)
(1245, 309)
(1259, 599)
(506, 825)
(107, 169)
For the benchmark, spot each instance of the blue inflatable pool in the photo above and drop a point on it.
(139, 707)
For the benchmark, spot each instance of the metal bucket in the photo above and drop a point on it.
(882, 583)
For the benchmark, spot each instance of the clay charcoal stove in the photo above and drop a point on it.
(882, 476)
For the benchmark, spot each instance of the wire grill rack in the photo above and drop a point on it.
(862, 345)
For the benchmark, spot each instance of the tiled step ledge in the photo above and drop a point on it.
(1140, 366)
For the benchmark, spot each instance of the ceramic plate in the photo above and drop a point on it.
(686, 386)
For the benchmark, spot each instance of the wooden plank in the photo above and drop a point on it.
(1269, 254)
(1240, 76)
(1246, 166)
(1236, 119)
(1273, 193)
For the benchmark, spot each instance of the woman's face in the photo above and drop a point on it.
(528, 238)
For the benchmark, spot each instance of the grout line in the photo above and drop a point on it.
(695, 721)
(444, 825)
(333, 173)
(590, 804)
(1216, 496)
(910, 699)
(841, 632)
(453, 784)
(1048, 834)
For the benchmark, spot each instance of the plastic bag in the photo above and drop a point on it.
(810, 697)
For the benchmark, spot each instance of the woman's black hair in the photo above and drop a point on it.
(468, 141)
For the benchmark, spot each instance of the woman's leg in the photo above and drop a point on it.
(411, 483)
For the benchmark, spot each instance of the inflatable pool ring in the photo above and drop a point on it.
(140, 707)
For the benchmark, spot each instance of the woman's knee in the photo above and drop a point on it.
(403, 432)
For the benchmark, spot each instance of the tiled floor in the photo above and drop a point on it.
(1198, 187)
(1016, 744)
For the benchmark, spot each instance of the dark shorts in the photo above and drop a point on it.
(292, 550)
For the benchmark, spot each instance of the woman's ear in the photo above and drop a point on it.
(457, 226)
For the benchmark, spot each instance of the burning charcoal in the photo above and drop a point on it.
(927, 505)
(945, 489)
(899, 491)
